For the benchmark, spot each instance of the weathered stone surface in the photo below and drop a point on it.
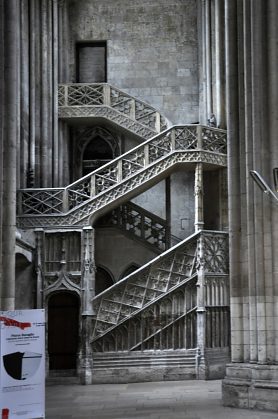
(251, 386)
(152, 50)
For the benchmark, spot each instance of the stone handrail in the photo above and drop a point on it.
(139, 223)
(123, 176)
(77, 100)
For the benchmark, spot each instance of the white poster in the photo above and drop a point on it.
(22, 351)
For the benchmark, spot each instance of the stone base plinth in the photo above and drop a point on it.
(251, 386)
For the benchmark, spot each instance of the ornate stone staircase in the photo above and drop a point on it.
(125, 177)
(158, 322)
(155, 311)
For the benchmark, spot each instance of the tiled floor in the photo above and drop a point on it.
(160, 400)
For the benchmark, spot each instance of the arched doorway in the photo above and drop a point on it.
(63, 326)
(103, 280)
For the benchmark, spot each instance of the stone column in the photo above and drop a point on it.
(45, 146)
(88, 292)
(24, 94)
(201, 309)
(55, 96)
(39, 268)
(209, 99)
(272, 65)
(32, 97)
(11, 83)
(220, 64)
(63, 77)
(168, 212)
(199, 197)
(233, 180)
(1, 130)
(251, 52)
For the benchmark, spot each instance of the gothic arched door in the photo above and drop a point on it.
(63, 327)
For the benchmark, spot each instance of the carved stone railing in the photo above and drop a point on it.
(168, 281)
(139, 223)
(101, 100)
(169, 323)
(123, 178)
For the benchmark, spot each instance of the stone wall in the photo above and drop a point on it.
(152, 50)
(116, 252)
(252, 59)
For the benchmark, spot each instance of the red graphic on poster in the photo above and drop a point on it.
(5, 413)
(15, 323)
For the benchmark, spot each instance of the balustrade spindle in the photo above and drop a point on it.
(106, 95)
(119, 171)
(146, 154)
(93, 186)
(65, 200)
(173, 139)
(199, 136)
(157, 122)
(132, 109)
(66, 88)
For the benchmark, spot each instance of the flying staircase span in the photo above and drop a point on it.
(169, 319)
(102, 101)
(81, 202)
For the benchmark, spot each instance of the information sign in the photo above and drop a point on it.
(22, 352)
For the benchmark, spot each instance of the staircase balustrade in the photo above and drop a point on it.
(157, 303)
(79, 100)
(124, 176)
(138, 223)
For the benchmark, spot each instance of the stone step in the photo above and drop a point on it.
(142, 359)
(141, 367)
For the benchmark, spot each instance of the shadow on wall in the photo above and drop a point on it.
(25, 283)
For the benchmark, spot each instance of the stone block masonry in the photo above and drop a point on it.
(152, 50)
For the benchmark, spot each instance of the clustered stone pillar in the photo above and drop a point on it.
(10, 134)
(220, 109)
(212, 62)
(1, 133)
(252, 93)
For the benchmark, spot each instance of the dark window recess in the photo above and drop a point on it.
(91, 62)
(97, 153)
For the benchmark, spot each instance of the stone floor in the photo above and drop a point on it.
(160, 400)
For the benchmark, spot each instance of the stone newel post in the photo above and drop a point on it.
(199, 197)
(88, 292)
(201, 309)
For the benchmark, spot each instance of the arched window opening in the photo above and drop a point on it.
(96, 154)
